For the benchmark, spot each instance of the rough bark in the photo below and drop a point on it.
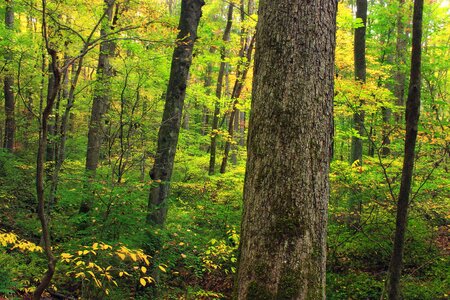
(220, 78)
(283, 238)
(8, 83)
(360, 75)
(161, 173)
(102, 92)
(412, 114)
(102, 98)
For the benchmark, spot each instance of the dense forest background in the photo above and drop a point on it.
(82, 163)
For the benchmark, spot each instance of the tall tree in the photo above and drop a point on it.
(102, 97)
(8, 83)
(412, 114)
(283, 238)
(102, 93)
(360, 75)
(161, 173)
(219, 86)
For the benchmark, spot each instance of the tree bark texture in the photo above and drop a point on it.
(412, 120)
(101, 101)
(102, 92)
(220, 77)
(360, 75)
(8, 83)
(283, 237)
(161, 173)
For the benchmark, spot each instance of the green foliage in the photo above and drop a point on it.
(194, 255)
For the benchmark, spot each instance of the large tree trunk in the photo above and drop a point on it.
(101, 101)
(283, 238)
(412, 120)
(8, 83)
(220, 77)
(360, 75)
(161, 173)
(102, 92)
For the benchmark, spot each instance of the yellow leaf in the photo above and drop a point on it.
(144, 269)
(162, 269)
(121, 255)
(120, 274)
(91, 273)
(95, 246)
(143, 282)
(133, 256)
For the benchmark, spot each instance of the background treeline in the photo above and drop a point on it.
(85, 85)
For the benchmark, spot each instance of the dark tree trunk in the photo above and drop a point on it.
(8, 83)
(220, 77)
(283, 238)
(101, 101)
(161, 173)
(102, 92)
(360, 75)
(412, 119)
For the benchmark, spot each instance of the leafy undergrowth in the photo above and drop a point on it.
(111, 253)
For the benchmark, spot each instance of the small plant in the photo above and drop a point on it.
(221, 255)
(100, 266)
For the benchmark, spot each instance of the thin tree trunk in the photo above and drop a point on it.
(283, 238)
(51, 96)
(8, 83)
(161, 173)
(247, 42)
(63, 131)
(207, 85)
(400, 61)
(246, 52)
(220, 77)
(412, 119)
(360, 75)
